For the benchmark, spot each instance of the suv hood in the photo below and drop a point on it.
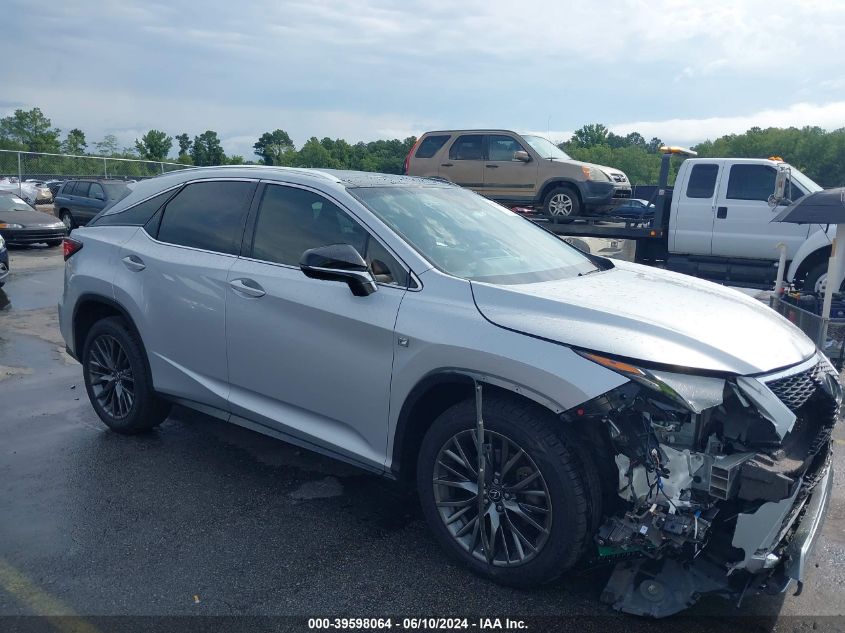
(650, 315)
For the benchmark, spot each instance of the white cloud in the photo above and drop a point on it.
(678, 131)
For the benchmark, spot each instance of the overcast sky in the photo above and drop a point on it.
(682, 70)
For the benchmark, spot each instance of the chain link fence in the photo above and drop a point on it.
(42, 166)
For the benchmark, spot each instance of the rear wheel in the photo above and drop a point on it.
(117, 381)
(530, 519)
(561, 204)
(67, 218)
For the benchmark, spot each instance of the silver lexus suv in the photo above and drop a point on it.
(554, 408)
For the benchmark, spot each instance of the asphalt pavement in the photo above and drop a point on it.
(205, 518)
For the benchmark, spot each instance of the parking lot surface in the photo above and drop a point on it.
(204, 518)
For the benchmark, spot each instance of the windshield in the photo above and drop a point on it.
(468, 236)
(806, 182)
(545, 148)
(10, 202)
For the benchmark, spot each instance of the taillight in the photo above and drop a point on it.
(70, 246)
(408, 157)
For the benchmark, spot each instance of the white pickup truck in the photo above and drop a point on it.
(715, 223)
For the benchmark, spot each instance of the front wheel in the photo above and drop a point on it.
(116, 379)
(561, 204)
(816, 280)
(528, 521)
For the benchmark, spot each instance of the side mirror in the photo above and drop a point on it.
(339, 262)
(522, 156)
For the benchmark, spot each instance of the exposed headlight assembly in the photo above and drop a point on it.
(695, 393)
(10, 225)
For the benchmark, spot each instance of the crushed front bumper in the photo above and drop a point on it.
(786, 538)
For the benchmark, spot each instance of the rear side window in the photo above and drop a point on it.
(96, 191)
(137, 215)
(207, 215)
(431, 145)
(467, 147)
(702, 181)
(751, 182)
(82, 189)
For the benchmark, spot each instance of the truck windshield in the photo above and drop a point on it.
(545, 148)
(467, 236)
(806, 183)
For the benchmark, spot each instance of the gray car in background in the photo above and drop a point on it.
(552, 407)
(77, 201)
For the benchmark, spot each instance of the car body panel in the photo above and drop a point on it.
(178, 304)
(652, 315)
(305, 339)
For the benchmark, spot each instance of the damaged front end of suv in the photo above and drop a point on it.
(719, 483)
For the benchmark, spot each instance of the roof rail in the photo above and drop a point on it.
(306, 171)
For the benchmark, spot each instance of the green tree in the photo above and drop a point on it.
(109, 146)
(207, 150)
(590, 135)
(273, 147)
(184, 145)
(30, 130)
(236, 159)
(313, 154)
(75, 142)
(154, 145)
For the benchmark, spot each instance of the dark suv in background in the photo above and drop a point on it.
(78, 201)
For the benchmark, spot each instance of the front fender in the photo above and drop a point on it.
(816, 241)
(548, 373)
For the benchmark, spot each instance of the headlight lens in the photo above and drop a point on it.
(10, 225)
(592, 173)
(695, 393)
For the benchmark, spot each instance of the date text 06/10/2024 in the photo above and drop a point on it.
(413, 624)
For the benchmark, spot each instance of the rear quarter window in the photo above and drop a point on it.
(136, 215)
(431, 145)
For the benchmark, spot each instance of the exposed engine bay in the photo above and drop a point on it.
(714, 481)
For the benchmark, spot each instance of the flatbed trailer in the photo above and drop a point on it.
(650, 236)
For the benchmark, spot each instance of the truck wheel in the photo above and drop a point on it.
(536, 509)
(117, 381)
(816, 280)
(561, 203)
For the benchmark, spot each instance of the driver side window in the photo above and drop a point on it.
(291, 220)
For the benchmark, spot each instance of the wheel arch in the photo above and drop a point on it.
(559, 182)
(435, 393)
(91, 308)
(818, 256)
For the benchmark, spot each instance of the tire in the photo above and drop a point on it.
(574, 497)
(561, 203)
(816, 278)
(143, 409)
(68, 219)
(54, 243)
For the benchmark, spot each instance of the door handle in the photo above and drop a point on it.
(721, 212)
(134, 263)
(492, 166)
(247, 287)
(446, 165)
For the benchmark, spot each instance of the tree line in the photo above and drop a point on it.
(818, 153)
